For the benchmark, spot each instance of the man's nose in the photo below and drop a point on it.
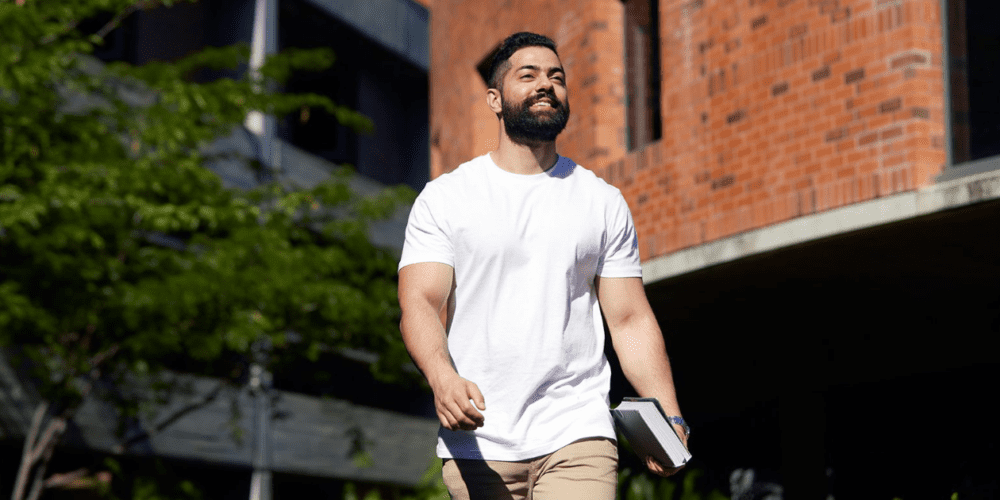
(543, 83)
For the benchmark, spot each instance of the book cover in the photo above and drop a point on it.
(645, 426)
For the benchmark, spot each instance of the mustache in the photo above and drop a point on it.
(553, 100)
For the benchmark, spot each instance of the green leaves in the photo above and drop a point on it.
(278, 70)
(643, 485)
(119, 250)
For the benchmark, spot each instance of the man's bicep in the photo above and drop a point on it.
(621, 299)
(425, 282)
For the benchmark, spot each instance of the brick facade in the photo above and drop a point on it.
(772, 109)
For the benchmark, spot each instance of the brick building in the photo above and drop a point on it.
(813, 183)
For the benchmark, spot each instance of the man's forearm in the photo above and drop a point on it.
(426, 341)
(643, 357)
(458, 401)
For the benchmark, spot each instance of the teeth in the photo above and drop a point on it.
(543, 104)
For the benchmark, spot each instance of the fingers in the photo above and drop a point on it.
(471, 414)
(445, 421)
(659, 469)
(457, 406)
(681, 434)
(476, 396)
(455, 421)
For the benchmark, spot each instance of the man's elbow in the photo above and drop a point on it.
(622, 321)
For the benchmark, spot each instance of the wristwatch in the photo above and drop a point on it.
(680, 421)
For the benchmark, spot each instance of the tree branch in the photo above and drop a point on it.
(27, 453)
(128, 11)
(115, 21)
(107, 28)
(39, 453)
(103, 356)
(58, 425)
(39, 482)
(67, 478)
(163, 424)
(48, 440)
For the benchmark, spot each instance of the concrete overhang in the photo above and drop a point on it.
(957, 187)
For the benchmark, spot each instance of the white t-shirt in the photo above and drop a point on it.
(527, 327)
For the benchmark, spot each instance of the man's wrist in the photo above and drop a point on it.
(680, 421)
(441, 376)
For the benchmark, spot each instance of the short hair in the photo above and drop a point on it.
(510, 45)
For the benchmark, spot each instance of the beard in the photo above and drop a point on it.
(527, 126)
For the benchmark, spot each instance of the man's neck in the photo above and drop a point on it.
(524, 158)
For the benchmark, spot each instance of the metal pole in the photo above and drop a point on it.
(260, 383)
(263, 43)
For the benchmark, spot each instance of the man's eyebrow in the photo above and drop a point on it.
(532, 67)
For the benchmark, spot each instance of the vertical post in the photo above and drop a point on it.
(260, 383)
(263, 43)
(946, 75)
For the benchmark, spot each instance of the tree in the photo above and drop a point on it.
(120, 255)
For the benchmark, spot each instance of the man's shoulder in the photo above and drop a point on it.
(590, 180)
(461, 174)
(447, 185)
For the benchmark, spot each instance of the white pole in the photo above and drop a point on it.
(260, 482)
(263, 43)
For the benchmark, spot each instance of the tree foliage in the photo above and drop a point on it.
(636, 482)
(121, 254)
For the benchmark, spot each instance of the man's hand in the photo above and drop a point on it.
(424, 291)
(453, 399)
(659, 469)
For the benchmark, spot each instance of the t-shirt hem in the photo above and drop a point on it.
(620, 273)
(517, 455)
(421, 260)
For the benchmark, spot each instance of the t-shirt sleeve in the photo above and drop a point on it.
(621, 251)
(426, 238)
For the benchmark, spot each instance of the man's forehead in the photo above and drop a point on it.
(540, 57)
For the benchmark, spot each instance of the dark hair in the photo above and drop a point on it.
(513, 43)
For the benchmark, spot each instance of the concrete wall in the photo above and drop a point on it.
(309, 436)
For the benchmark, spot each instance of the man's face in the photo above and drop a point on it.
(534, 98)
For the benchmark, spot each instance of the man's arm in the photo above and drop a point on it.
(638, 343)
(424, 290)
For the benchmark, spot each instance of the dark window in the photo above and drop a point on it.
(365, 77)
(642, 73)
(974, 77)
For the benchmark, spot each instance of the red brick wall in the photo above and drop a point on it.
(589, 38)
(772, 109)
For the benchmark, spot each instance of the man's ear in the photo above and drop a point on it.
(494, 100)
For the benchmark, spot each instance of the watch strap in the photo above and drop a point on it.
(680, 421)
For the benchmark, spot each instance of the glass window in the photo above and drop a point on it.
(642, 73)
(974, 77)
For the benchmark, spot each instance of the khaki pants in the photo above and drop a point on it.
(583, 470)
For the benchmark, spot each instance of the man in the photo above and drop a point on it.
(505, 262)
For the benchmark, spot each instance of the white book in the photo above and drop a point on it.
(645, 426)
